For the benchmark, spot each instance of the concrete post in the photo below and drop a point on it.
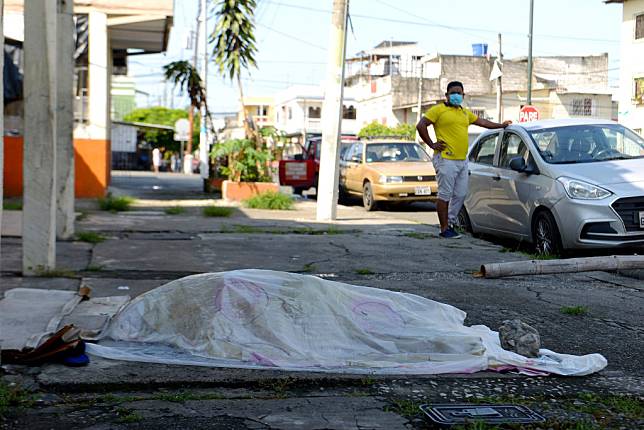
(39, 193)
(332, 114)
(100, 72)
(65, 121)
(1, 120)
(203, 71)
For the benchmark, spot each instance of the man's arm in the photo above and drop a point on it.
(489, 124)
(424, 134)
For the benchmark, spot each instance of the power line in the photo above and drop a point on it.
(290, 36)
(448, 27)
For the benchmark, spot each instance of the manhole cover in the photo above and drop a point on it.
(450, 414)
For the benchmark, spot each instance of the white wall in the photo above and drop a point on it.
(632, 66)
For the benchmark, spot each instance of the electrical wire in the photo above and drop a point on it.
(448, 27)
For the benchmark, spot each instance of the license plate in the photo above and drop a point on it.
(642, 219)
(423, 191)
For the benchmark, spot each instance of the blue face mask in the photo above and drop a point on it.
(455, 99)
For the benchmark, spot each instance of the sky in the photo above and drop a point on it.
(292, 36)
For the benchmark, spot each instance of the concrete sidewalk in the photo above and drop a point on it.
(145, 248)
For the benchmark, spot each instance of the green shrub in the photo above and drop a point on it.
(12, 206)
(574, 310)
(115, 204)
(90, 237)
(217, 211)
(174, 210)
(270, 200)
(374, 129)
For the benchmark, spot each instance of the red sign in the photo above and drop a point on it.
(528, 113)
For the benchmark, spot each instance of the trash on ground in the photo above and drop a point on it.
(265, 319)
(569, 265)
(39, 326)
(454, 414)
(519, 337)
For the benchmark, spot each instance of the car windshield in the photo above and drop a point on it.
(587, 143)
(395, 151)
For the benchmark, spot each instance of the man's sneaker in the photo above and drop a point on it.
(449, 234)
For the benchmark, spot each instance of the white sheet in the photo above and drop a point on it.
(267, 319)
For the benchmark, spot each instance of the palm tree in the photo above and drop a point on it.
(184, 75)
(234, 42)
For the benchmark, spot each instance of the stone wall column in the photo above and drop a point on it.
(65, 121)
(39, 173)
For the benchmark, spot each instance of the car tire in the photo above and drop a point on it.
(545, 233)
(367, 197)
(463, 220)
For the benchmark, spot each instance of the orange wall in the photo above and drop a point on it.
(92, 167)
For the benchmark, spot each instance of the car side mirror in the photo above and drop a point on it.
(518, 164)
(356, 159)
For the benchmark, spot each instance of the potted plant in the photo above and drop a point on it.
(245, 169)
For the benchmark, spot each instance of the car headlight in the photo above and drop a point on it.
(577, 189)
(390, 179)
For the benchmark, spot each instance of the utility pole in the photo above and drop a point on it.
(499, 85)
(41, 109)
(203, 71)
(420, 97)
(530, 54)
(1, 124)
(195, 52)
(332, 114)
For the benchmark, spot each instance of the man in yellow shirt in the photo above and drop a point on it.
(451, 121)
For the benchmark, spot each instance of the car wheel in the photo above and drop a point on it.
(367, 197)
(547, 240)
(463, 220)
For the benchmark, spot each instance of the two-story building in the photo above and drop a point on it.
(386, 84)
(631, 86)
(298, 110)
(107, 34)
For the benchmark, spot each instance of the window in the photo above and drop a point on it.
(639, 91)
(348, 112)
(588, 143)
(639, 27)
(512, 147)
(355, 152)
(582, 107)
(262, 110)
(483, 153)
(479, 112)
(290, 113)
(315, 112)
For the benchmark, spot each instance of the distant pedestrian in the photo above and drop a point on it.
(173, 162)
(156, 159)
(451, 121)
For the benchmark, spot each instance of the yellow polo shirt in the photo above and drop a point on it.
(450, 126)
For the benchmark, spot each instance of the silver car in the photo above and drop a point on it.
(559, 184)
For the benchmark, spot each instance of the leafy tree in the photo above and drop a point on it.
(375, 129)
(158, 115)
(185, 76)
(234, 43)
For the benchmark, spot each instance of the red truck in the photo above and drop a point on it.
(302, 171)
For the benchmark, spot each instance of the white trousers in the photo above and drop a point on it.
(452, 180)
